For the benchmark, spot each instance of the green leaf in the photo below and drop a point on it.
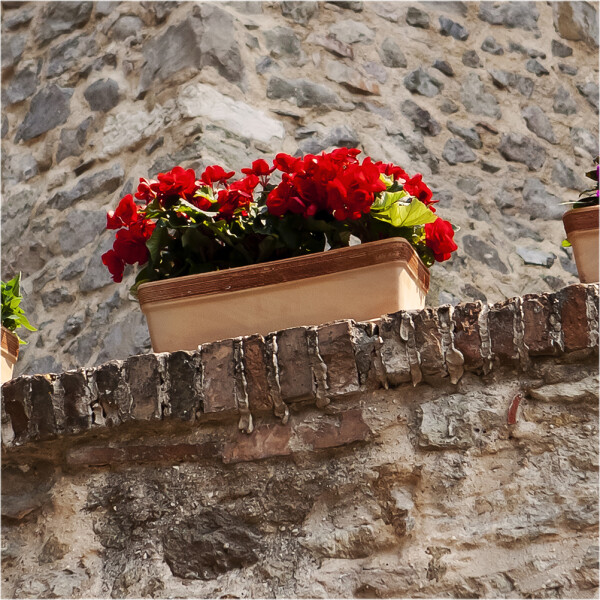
(158, 240)
(416, 213)
(565, 244)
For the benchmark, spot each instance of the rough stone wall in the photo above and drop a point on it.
(495, 103)
(439, 453)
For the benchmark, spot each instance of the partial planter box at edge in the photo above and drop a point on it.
(10, 353)
(360, 282)
(581, 227)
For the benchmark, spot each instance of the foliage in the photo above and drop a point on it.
(180, 225)
(13, 315)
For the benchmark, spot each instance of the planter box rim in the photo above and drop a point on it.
(287, 270)
(10, 343)
(581, 219)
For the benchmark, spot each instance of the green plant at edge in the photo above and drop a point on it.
(13, 315)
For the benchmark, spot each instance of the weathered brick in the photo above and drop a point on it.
(76, 406)
(264, 442)
(501, 323)
(219, 377)
(102, 455)
(428, 340)
(573, 316)
(295, 374)
(143, 378)
(347, 427)
(255, 369)
(113, 393)
(536, 317)
(185, 384)
(42, 424)
(393, 351)
(336, 350)
(466, 334)
(16, 400)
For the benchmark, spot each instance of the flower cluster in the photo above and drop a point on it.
(181, 224)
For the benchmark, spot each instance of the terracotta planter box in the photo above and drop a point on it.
(360, 282)
(10, 353)
(581, 226)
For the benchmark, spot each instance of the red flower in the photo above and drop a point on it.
(260, 168)
(130, 244)
(145, 190)
(239, 195)
(415, 187)
(177, 182)
(115, 265)
(126, 213)
(215, 174)
(287, 163)
(390, 169)
(439, 236)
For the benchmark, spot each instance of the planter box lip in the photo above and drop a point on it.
(581, 219)
(287, 270)
(10, 343)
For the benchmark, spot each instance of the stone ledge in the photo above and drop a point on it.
(237, 378)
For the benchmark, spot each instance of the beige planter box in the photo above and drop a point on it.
(360, 282)
(581, 226)
(10, 353)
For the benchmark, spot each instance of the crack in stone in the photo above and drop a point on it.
(318, 369)
(280, 408)
(407, 334)
(484, 336)
(453, 358)
(555, 332)
(241, 388)
(519, 335)
(591, 309)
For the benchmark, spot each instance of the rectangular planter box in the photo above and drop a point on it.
(581, 226)
(359, 282)
(10, 353)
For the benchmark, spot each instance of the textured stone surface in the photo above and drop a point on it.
(49, 109)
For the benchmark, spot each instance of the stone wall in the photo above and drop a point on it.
(449, 452)
(495, 103)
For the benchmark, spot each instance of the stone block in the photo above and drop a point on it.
(428, 339)
(42, 424)
(76, 402)
(15, 397)
(219, 377)
(114, 397)
(295, 374)
(466, 334)
(501, 323)
(348, 427)
(393, 351)
(573, 315)
(143, 379)
(336, 350)
(536, 315)
(184, 384)
(255, 369)
(264, 442)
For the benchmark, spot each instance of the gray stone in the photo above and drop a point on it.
(41, 365)
(576, 21)
(264, 64)
(102, 95)
(354, 5)
(124, 27)
(535, 53)
(566, 177)
(353, 79)
(12, 49)
(568, 69)
(417, 18)
(476, 100)
(160, 10)
(444, 67)
(96, 275)
(80, 229)
(125, 339)
(4, 126)
(535, 67)
(52, 550)
(538, 122)
(305, 93)
(103, 182)
(531, 256)
(18, 20)
(449, 27)
(539, 203)
(563, 103)
(415, 148)
(61, 17)
(510, 14)
(504, 79)
(456, 151)
(55, 297)
(492, 46)
(584, 139)
(470, 58)
(469, 134)
(453, 7)
(589, 91)
(18, 167)
(469, 185)
(561, 50)
(489, 167)
(282, 42)
(49, 108)
(22, 85)
(68, 54)
(448, 107)
(342, 136)
(299, 12)
(420, 82)
(483, 252)
(421, 118)
(472, 292)
(105, 7)
(73, 269)
(349, 31)
(376, 70)
(72, 141)
(391, 55)
(523, 149)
